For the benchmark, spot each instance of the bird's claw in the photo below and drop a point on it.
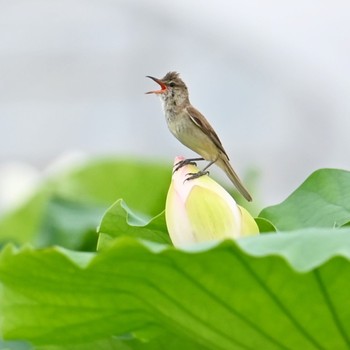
(182, 163)
(192, 176)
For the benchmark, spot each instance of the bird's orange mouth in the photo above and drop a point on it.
(163, 87)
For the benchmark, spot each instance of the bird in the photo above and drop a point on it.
(192, 129)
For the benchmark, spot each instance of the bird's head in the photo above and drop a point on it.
(171, 87)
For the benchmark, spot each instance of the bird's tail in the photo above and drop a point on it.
(224, 164)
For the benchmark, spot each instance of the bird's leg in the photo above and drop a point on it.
(184, 162)
(200, 173)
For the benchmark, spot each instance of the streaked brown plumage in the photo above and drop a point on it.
(192, 129)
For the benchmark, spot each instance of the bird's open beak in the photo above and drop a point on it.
(162, 86)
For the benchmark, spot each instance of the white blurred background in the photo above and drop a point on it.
(272, 77)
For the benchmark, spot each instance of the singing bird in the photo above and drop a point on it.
(192, 129)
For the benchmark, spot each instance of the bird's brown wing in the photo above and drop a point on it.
(199, 120)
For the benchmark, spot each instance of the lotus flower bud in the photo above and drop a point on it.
(201, 210)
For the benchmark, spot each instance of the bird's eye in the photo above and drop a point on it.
(172, 84)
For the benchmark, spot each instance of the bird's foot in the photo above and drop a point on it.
(184, 162)
(192, 176)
